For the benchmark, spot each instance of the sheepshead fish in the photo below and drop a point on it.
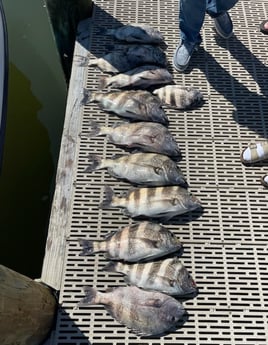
(133, 243)
(147, 136)
(179, 97)
(135, 33)
(114, 62)
(129, 57)
(168, 276)
(150, 169)
(140, 77)
(155, 202)
(145, 313)
(132, 104)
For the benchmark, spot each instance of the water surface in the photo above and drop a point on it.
(36, 108)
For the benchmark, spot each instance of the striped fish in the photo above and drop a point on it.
(113, 62)
(131, 104)
(150, 169)
(168, 276)
(153, 202)
(146, 136)
(179, 97)
(135, 33)
(145, 313)
(137, 242)
(129, 57)
(141, 77)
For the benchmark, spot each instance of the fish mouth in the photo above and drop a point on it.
(196, 201)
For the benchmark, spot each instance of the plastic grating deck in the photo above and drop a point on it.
(225, 247)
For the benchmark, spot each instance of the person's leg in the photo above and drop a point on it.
(217, 9)
(191, 18)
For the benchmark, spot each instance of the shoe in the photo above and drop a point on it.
(255, 152)
(264, 181)
(223, 25)
(183, 54)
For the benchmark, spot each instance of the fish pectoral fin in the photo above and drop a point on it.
(170, 282)
(151, 138)
(155, 303)
(150, 243)
(131, 113)
(139, 34)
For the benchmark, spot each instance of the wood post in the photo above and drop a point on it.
(64, 16)
(27, 309)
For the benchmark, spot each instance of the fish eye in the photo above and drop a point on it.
(172, 318)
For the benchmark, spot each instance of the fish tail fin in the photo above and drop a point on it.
(95, 163)
(109, 195)
(102, 82)
(87, 96)
(111, 267)
(91, 295)
(95, 129)
(87, 247)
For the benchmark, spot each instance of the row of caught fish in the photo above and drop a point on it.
(143, 105)
(146, 306)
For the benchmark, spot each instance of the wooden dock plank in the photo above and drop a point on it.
(60, 213)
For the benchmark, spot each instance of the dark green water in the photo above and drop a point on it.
(36, 108)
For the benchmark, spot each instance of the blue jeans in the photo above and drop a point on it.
(192, 15)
